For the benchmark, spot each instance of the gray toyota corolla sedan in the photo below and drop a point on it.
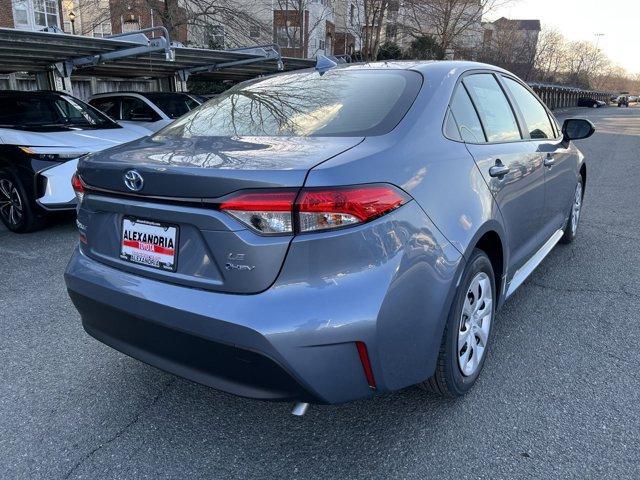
(327, 237)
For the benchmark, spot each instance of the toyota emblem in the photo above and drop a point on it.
(133, 180)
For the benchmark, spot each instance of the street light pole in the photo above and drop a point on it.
(72, 19)
(598, 35)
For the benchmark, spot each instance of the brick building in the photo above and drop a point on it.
(30, 14)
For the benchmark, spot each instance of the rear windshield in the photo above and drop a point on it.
(50, 112)
(338, 103)
(173, 105)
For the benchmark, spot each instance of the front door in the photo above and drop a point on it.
(559, 162)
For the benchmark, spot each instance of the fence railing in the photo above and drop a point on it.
(559, 96)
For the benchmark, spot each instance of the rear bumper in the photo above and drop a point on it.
(222, 366)
(295, 340)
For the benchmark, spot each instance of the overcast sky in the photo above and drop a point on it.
(619, 20)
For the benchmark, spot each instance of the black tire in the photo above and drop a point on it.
(569, 232)
(448, 379)
(17, 211)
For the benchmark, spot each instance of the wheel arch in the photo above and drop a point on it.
(491, 239)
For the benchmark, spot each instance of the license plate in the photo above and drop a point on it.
(149, 243)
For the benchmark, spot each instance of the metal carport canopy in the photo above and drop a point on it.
(33, 52)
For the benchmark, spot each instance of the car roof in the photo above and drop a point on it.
(30, 93)
(142, 94)
(424, 66)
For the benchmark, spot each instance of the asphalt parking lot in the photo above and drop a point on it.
(559, 396)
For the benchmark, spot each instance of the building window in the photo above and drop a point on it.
(254, 32)
(45, 13)
(214, 36)
(288, 37)
(321, 44)
(131, 25)
(352, 14)
(21, 13)
(391, 31)
(102, 30)
(35, 14)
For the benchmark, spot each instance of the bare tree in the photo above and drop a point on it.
(372, 16)
(550, 54)
(453, 23)
(298, 21)
(236, 16)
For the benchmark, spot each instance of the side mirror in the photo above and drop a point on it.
(577, 129)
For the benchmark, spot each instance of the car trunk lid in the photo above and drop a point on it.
(207, 167)
(213, 250)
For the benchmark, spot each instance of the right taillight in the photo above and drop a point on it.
(78, 187)
(285, 211)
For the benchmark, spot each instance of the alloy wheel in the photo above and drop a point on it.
(575, 209)
(475, 323)
(11, 207)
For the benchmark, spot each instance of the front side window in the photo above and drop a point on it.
(338, 103)
(495, 112)
(466, 117)
(54, 112)
(535, 115)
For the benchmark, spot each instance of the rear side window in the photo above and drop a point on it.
(466, 117)
(495, 112)
(109, 106)
(535, 115)
(136, 110)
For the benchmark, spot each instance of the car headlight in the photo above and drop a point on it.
(52, 153)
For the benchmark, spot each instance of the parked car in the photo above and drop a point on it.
(623, 101)
(327, 237)
(42, 135)
(590, 102)
(151, 110)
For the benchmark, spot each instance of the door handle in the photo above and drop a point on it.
(550, 161)
(499, 169)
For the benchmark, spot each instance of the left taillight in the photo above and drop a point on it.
(78, 187)
(286, 211)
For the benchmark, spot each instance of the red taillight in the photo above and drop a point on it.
(267, 212)
(272, 211)
(366, 364)
(333, 208)
(78, 187)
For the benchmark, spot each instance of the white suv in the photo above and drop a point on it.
(151, 110)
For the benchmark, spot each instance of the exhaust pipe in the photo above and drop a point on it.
(299, 409)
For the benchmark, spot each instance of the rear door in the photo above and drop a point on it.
(510, 165)
(560, 163)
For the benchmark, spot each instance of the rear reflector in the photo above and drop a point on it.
(313, 209)
(366, 364)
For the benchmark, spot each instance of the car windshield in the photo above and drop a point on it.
(173, 105)
(338, 103)
(52, 111)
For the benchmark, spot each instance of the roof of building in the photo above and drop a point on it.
(519, 23)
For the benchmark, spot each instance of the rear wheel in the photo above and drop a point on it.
(571, 227)
(466, 336)
(16, 211)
